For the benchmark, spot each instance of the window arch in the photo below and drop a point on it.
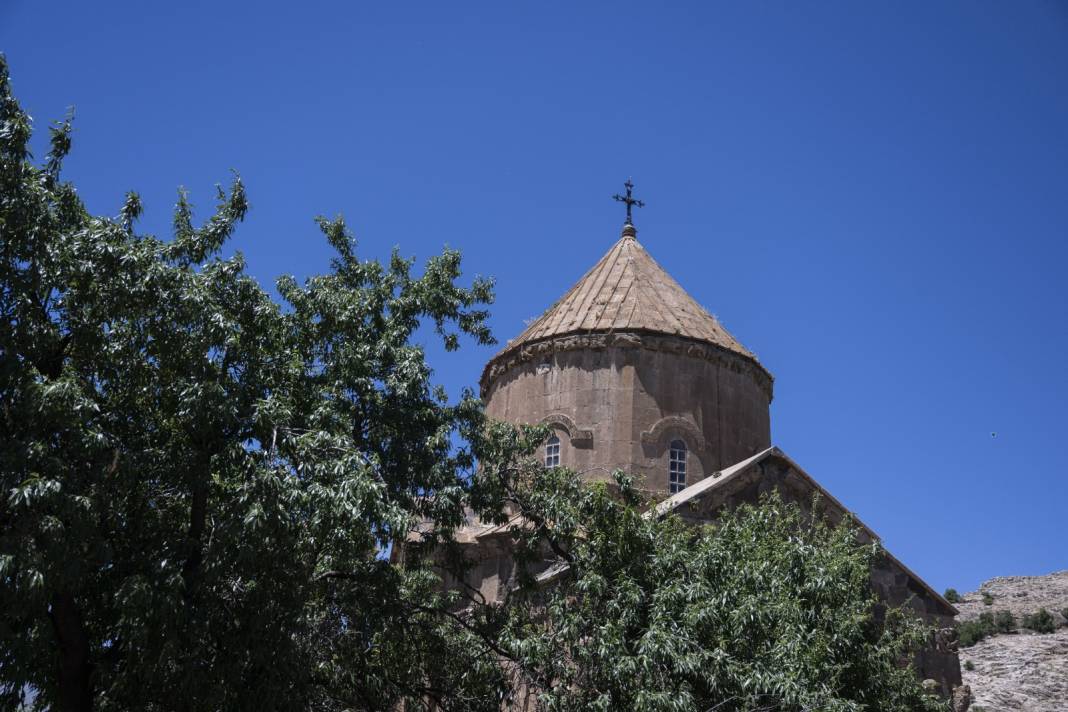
(552, 451)
(677, 466)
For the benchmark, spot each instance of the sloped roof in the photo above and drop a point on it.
(721, 478)
(628, 291)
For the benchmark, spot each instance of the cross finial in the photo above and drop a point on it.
(629, 200)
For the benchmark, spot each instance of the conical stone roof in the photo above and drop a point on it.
(627, 291)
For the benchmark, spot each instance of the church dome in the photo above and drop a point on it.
(626, 291)
(632, 373)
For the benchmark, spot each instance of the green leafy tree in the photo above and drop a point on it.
(768, 609)
(1041, 621)
(199, 485)
(973, 631)
(1004, 621)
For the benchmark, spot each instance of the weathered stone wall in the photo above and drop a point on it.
(617, 401)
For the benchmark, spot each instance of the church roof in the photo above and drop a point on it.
(628, 291)
(722, 479)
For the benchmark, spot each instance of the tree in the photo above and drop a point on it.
(769, 609)
(199, 484)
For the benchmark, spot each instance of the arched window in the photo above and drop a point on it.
(552, 451)
(677, 467)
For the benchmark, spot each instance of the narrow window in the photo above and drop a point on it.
(552, 452)
(677, 467)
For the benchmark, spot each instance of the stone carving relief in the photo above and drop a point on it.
(655, 440)
(579, 437)
(673, 424)
(510, 358)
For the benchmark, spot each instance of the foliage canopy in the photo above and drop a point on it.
(199, 485)
(768, 609)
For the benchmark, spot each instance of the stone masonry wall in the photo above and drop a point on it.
(621, 405)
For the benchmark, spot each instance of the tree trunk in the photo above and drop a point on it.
(198, 514)
(75, 689)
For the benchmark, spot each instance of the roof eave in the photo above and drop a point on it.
(514, 347)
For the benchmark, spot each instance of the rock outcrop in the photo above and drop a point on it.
(1022, 670)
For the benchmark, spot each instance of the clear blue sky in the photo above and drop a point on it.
(872, 196)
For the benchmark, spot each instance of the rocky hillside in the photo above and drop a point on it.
(1021, 669)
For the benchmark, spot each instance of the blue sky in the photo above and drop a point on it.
(872, 197)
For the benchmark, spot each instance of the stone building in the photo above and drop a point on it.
(632, 373)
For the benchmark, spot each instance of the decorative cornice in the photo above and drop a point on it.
(578, 437)
(509, 358)
(655, 434)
